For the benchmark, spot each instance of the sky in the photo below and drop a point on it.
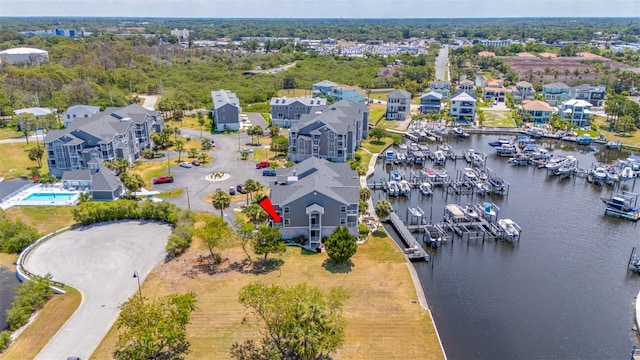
(322, 8)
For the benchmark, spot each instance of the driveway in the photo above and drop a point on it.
(99, 261)
(442, 62)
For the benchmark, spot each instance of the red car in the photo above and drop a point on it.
(163, 179)
(262, 165)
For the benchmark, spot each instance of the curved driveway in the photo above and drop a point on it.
(98, 260)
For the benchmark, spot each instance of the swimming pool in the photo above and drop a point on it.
(50, 197)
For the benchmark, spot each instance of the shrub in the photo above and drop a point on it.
(363, 230)
(31, 296)
(16, 235)
(5, 340)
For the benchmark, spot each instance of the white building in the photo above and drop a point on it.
(78, 111)
(29, 56)
(576, 111)
(463, 107)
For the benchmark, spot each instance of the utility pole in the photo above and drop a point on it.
(168, 163)
(188, 200)
(137, 277)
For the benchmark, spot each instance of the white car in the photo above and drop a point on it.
(185, 164)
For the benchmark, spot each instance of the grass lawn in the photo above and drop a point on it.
(629, 139)
(381, 313)
(44, 218)
(294, 92)
(189, 122)
(15, 161)
(501, 119)
(374, 146)
(151, 169)
(376, 112)
(9, 133)
(50, 318)
(171, 193)
(378, 96)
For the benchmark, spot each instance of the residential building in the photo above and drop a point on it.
(523, 91)
(398, 105)
(313, 198)
(286, 112)
(592, 94)
(493, 90)
(576, 111)
(441, 87)
(463, 107)
(467, 86)
(536, 111)
(38, 112)
(182, 35)
(430, 102)
(115, 133)
(338, 92)
(555, 93)
(29, 56)
(496, 43)
(226, 110)
(100, 182)
(78, 111)
(333, 132)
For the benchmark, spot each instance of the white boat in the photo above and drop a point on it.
(509, 227)
(506, 150)
(470, 174)
(439, 157)
(483, 187)
(459, 132)
(413, 147)
(627, 173)
(612, 175)
(599, 174)
(425, 188)
(444, 147)
(403, 147)
(396, 175)
(392, 188)
(555, 162)
(470, 212)
(441, 172)
(404, 187)
(501, 141)
(429, 172)
(541, 154)
(568, 166)
(468, 155)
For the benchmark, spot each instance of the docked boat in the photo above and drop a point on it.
(470, 174)
(568, 166)
(623, 205)
(497, 184)
(520, 160)
(403, 147)
(434, 235)
(501, 141)
(613, 145)
(441, 173)
(439, 157)
(413, 147)
(392, 188)
(510, 229)
(423, 147)
(404, 187)
(585, 139)
(612, 175)
(389, 156)
(468, 155)
(541, 154)
(425, 188)
(627, 173)
(444, 147)
(483, 187)
(470, 212)
(506, 150)
(396, 176)
(429, 172)
(599, 174)
(460, 133)
(555, 162)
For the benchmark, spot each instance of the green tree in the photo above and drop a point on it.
(382, 209)
(26, 122)
(221, 200)
(132, 182)
(179, 148)
(176, 131)
(201, 122)
(378, 133)
(203, 158)
(274, 131)
(255, 213)
(300, 322)
(244, 230)
(255, 131)
(268, 240)
(154, 330)
(280, 144)
(193, 153)
(341, 245)
(244, 154)
(625, 124)
(36, 153)
(365, 194)
(213, 234)
(119, 165)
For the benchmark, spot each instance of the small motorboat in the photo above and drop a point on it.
(510, 228)
(470, 212)
(392, 188)
(599, 174)
(460, 133)
(627, 173)
(501, 141)
(429, 172)
(439, 157)
(425, 188)
(446, 148)
(395, 175)
(404, 187)
(441, 172)
(483, 187)
(555, 162)
(469, 174)
(612, 175)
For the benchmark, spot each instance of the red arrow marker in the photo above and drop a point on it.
(265, 203)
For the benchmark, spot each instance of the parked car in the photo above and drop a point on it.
(269, 172)
(263, 164)
(232, 190)
(241, 189)
(185, 164)
(195, 163)
(163, 179)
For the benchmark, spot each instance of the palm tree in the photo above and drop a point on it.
(365, 194)
(382, 209)
(132, 182)
(176, 131)
(179, 148)
(203, 158)
(201, 122)
(221, 200)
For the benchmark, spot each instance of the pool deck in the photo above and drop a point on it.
(17, 198)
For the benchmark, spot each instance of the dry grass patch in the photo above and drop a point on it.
(8, 260)
(46, 324)
(9, 133)
(629, 139)
(381, 317)
(15, 161)
(187, 122)
(150, 169)
(44, 218)
(294, 92)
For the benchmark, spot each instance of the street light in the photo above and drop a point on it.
(137, 277)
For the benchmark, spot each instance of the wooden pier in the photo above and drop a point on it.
(413, 250)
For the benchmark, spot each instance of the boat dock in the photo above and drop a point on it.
(623, 205)
(413, 250)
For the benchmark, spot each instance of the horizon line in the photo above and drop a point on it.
(314, 18)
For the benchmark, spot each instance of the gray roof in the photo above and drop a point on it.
(338, 117)
(523, 84)
(335, 180)
(557, 85)
(399, 94)
(305, 101)
(86, 108)
(325, 83)
(432, 94)
(467, 82)
(103, 126)
(463, 96)
(75, 175)
(223, 97)
(135, 112)
(105, 180)
(440, 82)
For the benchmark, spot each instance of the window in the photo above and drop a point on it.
(286, 209)
(343, 221)
(343, 208)
(287, 222)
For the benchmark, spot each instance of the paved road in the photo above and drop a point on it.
(442, 63)
(99, 261)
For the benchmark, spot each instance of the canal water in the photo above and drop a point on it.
(562, 292)
(8, 284)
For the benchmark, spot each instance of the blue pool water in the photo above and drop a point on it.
(49, 197)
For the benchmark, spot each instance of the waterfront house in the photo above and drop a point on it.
(523, 91)
(114, 133)
(226, 111)
(100, 182)
(463, 107)
(536, 111)
(441, 87)
(592, 94)
(323, 87)
(430, 102)
(314, 197)
(555, 93)
(493, 90)
(398, 105)
(78, 111)
(338, 92)
(467, 86)
(332, 132)
(286, 112)
(576, 111)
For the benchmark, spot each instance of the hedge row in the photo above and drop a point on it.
(15, 235)
(31, 296)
